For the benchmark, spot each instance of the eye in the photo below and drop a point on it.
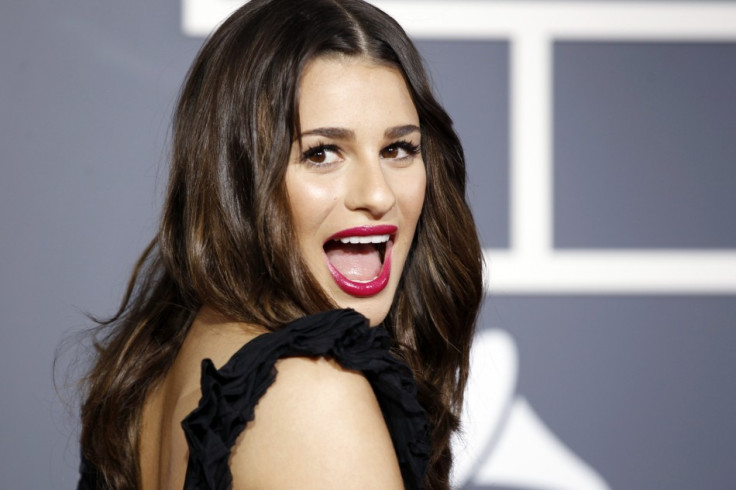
(321, 155)
(400, 150)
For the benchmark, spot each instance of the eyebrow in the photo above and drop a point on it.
(348, 134)
(400, 131)
(332, 133)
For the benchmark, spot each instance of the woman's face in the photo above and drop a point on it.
(356, 180)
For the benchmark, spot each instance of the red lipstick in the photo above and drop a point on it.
(364, 289)
(365, 231)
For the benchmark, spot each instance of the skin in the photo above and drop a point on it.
(318, 426)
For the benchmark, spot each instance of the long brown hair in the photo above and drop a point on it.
(226, 236)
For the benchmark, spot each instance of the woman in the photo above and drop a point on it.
(312, 170)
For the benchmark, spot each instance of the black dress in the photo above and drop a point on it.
(230, 394)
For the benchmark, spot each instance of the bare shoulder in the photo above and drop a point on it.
(318, 426)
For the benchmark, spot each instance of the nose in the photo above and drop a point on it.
(369, 190)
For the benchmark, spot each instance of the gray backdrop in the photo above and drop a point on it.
(640, 387)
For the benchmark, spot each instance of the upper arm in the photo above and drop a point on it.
(317, 426)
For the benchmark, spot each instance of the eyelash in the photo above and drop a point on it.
(410, 148)
(314, 150)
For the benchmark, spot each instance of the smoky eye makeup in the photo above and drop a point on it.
(321, 154)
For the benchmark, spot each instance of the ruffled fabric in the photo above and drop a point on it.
(230, 394)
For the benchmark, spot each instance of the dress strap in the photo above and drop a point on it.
(230, 394)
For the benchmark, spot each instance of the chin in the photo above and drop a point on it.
(375, 308)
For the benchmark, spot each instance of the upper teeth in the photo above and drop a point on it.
(365, 239)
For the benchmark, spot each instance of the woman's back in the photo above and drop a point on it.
(317, 426)
(163, 447)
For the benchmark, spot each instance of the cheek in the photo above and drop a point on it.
(411, 195)
(310, 203)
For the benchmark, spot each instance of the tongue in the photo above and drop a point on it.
(357, 262)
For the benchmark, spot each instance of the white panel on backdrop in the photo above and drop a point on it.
(200, 17)
(503, 441)
(532, 265)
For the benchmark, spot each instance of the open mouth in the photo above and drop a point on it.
(359, 259)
